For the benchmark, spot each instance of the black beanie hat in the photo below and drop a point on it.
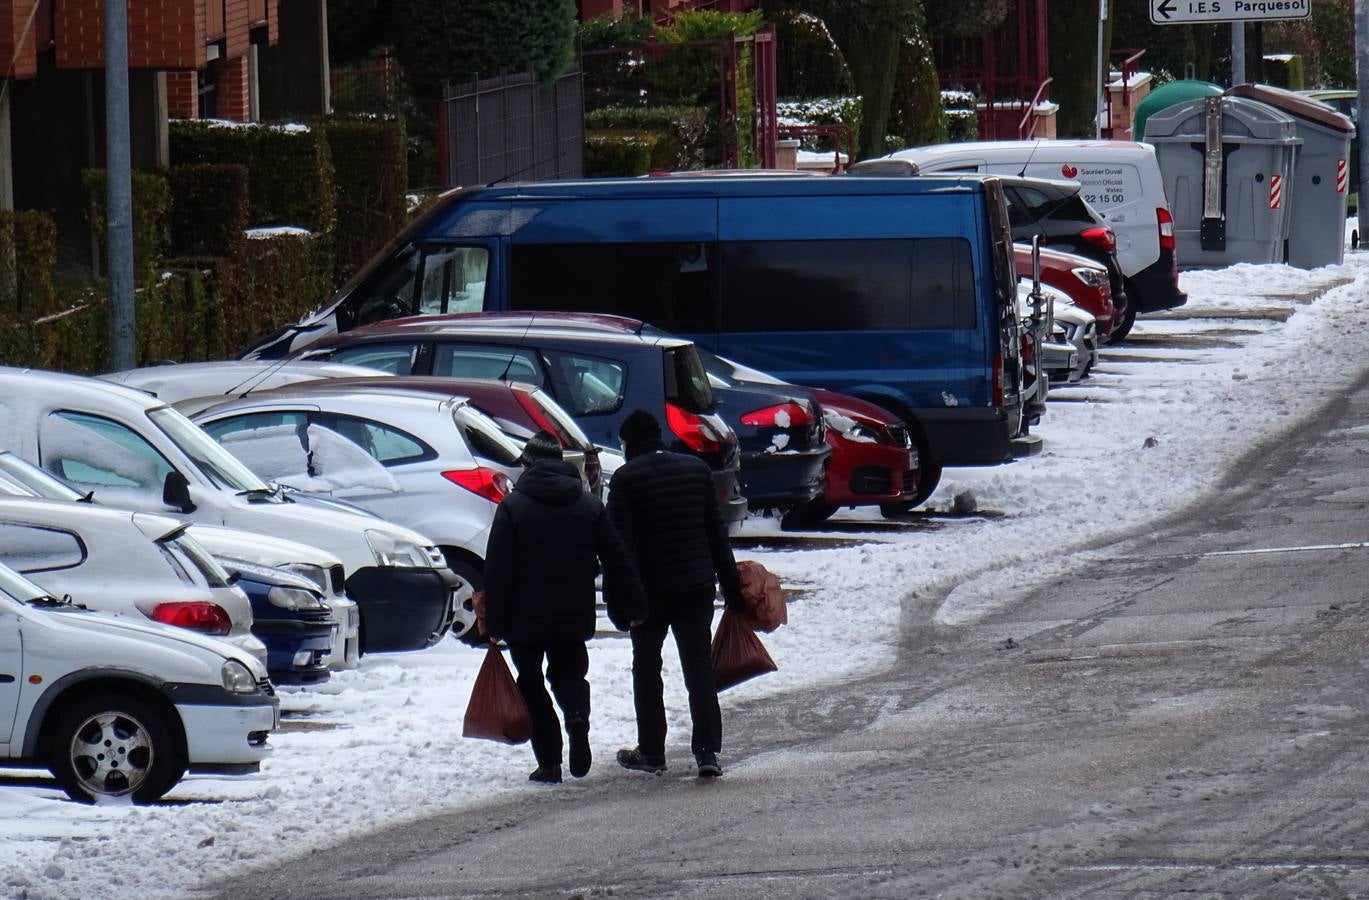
(541, 446)
(640, 425)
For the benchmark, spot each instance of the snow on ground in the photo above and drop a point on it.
(1151, 430)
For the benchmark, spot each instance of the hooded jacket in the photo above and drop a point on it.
(664, 506)
(545, 546)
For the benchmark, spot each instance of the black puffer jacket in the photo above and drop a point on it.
(665, 508)
(545, 544)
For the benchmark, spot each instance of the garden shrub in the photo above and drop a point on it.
(209, 209)
(682, 131)
(151, 204)
(28, 253)
(371, 175)
(618, 154)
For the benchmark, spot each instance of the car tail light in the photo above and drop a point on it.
(692, 429)
(1166, 223)
(998, 379)
(488, 483)
(784, 415)
(1100, 237)
(196, 615)
(543, 421)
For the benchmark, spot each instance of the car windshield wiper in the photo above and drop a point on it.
(47, 601)
(262, 493)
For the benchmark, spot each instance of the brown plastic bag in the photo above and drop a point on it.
(737, 653)
(496, 710)
(765, 606)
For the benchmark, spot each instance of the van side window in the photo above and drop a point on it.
(671, 285)
(889, 285)
(453, 280)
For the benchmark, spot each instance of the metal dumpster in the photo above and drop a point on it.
(1321, 180)
(1226, 162)
(1167, 95)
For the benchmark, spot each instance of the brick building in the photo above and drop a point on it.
(231, 59)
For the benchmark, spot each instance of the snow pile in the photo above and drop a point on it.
(1150, 431)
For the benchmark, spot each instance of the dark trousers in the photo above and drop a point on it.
(567, 666)
(689, 614)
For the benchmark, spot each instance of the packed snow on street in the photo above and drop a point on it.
(1154, 427)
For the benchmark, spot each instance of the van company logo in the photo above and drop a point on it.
(1068, 170)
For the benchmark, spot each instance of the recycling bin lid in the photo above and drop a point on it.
(1167, 95)
(1244, 121)
(1296, 105)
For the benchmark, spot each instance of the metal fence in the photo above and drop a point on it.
(511, 128)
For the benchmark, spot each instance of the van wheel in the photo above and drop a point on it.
(928, 477)
(112, 745)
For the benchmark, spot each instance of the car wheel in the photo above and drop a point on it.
(814, 512)
(464, 628)
(1121, 329)
(113, 745)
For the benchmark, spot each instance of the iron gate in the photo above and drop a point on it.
(511, 127)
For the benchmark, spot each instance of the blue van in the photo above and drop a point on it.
(900, 291)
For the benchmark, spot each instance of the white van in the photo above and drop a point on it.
(1119, 179)
(135, 452)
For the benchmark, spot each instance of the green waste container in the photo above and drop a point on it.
(1319, 189)
(1167, 95)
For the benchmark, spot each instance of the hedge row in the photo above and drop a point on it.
(209, 209)
(682, 131)
(28, 252)
(151, 203)
(371, 166)
(610, 154)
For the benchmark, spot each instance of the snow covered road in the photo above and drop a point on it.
(1156, 425)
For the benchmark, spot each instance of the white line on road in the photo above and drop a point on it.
(1357, 545)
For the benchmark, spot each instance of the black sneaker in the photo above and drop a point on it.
(638, 761)
(546, 775)
(580, 757)
(708, 764)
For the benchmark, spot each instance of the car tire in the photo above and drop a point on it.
(1121, 329)
(112, 745)
(469, 573)
(807, 515)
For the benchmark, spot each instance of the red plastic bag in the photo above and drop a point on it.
(496, 710)
(737, 653)
(765, 606)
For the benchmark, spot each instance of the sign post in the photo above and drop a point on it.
(1207, 12)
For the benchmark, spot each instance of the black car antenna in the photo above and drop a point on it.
(504, 376)
(258, 378)
(1030, 157)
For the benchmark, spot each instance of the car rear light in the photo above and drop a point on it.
(998, 379)
(1166, 224)
(543, 421)
(488, 483)
(785, 415)
(196, 615)
(1100, 237)
(692, 429)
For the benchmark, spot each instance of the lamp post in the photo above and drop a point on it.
(1098, 81)
(119, 188)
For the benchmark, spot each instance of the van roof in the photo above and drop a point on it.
(730, 185)
(1016, 149)
(44, 382)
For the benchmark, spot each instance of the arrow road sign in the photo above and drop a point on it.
(1204, 12)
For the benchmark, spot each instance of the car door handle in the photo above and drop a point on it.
(6, 679)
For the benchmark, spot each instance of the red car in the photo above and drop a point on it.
(874, 460)
(1085, 281)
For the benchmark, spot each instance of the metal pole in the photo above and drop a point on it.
(1098, 80)
(119, 189)
(1362, 63)
(1238, 53)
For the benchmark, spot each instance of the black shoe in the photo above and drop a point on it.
(546, 775)
(638, 761)
(708, 764)
(580, 757)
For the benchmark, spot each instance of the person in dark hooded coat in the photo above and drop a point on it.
(666, 509)
(545, 546)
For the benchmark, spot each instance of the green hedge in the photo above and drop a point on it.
(276, 281)
(1285, 71)
(371, 175)
(618, 154)
(151, 203)
(682, 131)
(209, 209)
(290, 170)
(28, 253)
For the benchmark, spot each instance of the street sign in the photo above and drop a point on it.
(1206, 12)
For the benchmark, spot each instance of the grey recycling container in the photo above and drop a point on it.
(1321, 180)
(1227, 164)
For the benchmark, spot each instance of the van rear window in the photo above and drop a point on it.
(848, 285)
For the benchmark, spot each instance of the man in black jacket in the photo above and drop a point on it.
(665, 508)
(545, 543)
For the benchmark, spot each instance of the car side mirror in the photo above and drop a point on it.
(176, 492)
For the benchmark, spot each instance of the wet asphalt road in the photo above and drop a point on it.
(1186, 718)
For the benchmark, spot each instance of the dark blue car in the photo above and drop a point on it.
(291, 618)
